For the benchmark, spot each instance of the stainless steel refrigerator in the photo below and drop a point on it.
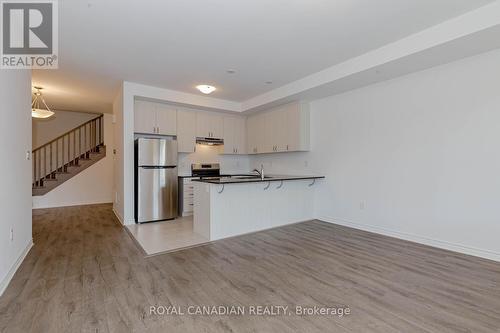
(155, 179)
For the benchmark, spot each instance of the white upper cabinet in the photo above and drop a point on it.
(186, 131)
(154, 118)
(257, 127)
(234, 135)
(166, 118)
(144, 117)
(209, 125)
(285, 128)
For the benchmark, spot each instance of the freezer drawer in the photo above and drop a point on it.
(157, 152)
(157, 194)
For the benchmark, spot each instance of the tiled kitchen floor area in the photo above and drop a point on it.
(166, 236)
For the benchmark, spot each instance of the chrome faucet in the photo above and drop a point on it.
(261, 172)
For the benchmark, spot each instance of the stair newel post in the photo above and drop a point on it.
(99, 132)
(44, 174)
(80, 141)
(34, 168)
(50, 162)
(69, 149)
(93, 134)
(39, 170)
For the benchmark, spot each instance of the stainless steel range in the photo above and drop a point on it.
(204, 170)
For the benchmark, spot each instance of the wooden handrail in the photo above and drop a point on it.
(68, 132)
(65, 157)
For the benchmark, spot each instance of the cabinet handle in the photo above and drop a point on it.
(286, 147)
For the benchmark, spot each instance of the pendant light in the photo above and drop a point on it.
(36, 111)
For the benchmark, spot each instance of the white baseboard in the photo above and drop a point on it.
(118, 216)
(6, 280)
(486, 254)
(37, 205)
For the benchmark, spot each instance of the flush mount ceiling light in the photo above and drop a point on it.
(36, 111)
(206, 89)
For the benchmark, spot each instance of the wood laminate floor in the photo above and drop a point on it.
(85, 274)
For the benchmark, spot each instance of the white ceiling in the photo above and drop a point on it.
(179, 44)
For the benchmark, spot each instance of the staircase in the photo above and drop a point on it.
(67, 155)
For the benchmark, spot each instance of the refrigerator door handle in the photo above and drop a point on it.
(158, 167)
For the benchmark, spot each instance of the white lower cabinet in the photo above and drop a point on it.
(187, 199)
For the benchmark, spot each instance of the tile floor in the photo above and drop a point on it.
(166, 236)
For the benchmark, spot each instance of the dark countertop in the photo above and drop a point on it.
(269, 178)
(223, 175)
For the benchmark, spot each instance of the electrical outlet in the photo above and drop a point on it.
(362, 205)
(28, 155)
(306, 164)
(11, 237)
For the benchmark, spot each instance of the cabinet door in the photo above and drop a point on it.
(166, 119)
(186, 131)
(234, 135)
(202, 125)
(281, 130)
(144, 117)
(262, 134)
(230, 143)
(216, 126)
(209, 125)
(273, 127)
(240, 135)
(298, 127)
(252, 127)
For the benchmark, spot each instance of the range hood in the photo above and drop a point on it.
(209, 141)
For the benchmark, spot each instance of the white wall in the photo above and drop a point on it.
(61, 122)
(15, 192)
(420, 152)
(118, 163)
(91, 186)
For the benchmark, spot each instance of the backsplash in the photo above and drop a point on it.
(213, 154)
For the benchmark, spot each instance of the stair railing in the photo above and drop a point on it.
(66, 150)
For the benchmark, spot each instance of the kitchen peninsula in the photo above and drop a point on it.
(226, 207)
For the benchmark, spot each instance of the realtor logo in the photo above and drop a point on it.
(29, 34)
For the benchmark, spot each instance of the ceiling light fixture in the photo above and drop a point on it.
(269, 82)
(230, 71)
(36, 111)
(206, 89)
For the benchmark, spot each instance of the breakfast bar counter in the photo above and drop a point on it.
(226, 207)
